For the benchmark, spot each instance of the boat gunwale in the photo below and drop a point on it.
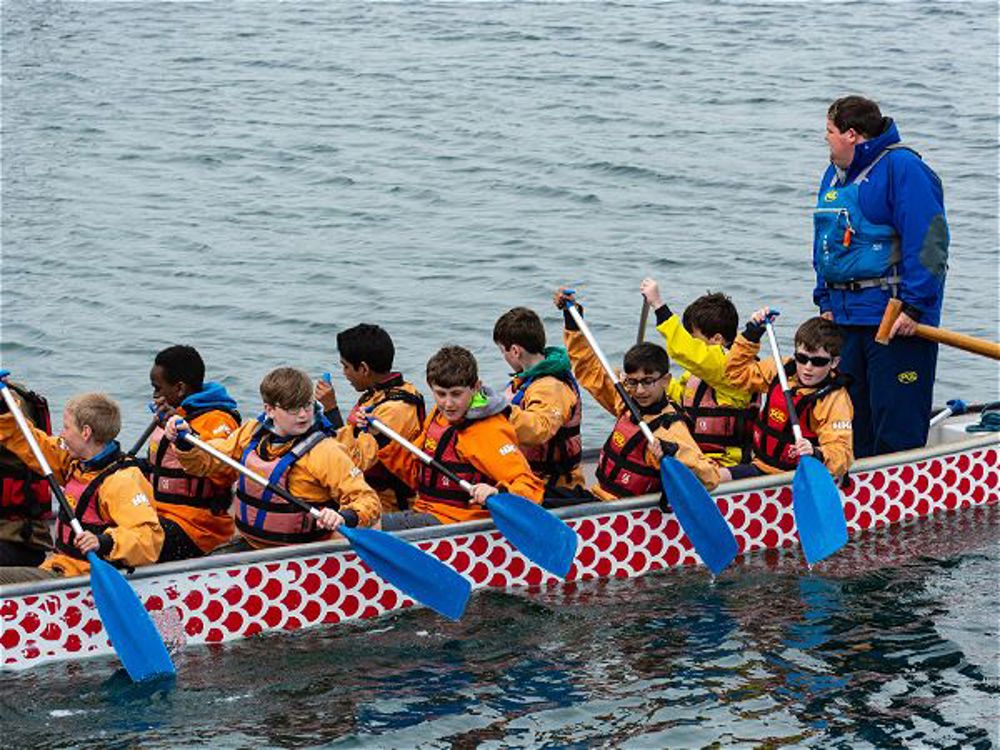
(228, 561)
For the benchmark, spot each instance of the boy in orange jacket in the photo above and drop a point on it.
(366, 355)
(469, 433)
(628, 465)
(818, 391)
(194, 511)
(108, 492)
(288, 446)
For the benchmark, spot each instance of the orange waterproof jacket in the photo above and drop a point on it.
(323, 474)
(124, 499)
(486, 440)
(207, 529)
(591, 375)
(399, 405)
(830, 417)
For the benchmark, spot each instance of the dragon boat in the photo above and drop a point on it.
(227, 597)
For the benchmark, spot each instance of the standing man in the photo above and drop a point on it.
(880, 232)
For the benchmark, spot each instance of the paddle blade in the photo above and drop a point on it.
(130, 629)
(698, 515)
(819, 512)
(537, 534)
(416, 573)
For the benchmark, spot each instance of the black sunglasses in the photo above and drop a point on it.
(804, 359)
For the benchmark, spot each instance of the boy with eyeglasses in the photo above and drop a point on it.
(819, 393)
(289, 446)
(628, 465)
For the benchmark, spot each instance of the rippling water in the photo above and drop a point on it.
(252, 178)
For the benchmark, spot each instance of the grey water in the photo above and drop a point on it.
(251, 178)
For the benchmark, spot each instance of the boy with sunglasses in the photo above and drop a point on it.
(289, 446)
(628, 466)
(819, 393)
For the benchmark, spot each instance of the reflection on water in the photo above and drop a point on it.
(890, 644)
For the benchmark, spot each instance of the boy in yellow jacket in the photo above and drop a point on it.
(720, 415)
(108, 492)
(819, 394)
(288, 446)
(628, 465)
(546, 408)
(469, 433)
(366, 355)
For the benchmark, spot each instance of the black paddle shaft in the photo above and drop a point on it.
(134, 450)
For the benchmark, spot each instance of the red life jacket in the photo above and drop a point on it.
(621, 468)
(715, 427)
(87, 510)
(23, 493)
(174, 486)
(773, 437)
(558, 456)
(432, 485)
(267, 518)
(378, 477)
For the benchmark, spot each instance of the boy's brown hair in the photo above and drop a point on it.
(819, 333)
(452, 367)
(712, 313)
(646, 356)
(520, 326)
(287, 388)
(98, 412)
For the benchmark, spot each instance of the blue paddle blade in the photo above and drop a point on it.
(130, 629)
(416, 573)
(536, 533)
(698, 515)
(819, 512)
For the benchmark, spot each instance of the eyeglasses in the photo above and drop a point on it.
(636, 382)
(296, 409)
(804, 359)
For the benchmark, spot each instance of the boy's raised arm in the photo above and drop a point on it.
(13, 440)
(743, 369)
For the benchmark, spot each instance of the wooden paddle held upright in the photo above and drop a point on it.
(942, 336)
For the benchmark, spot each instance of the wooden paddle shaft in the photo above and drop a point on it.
(426, 458)
(39, 456)
(643, 317)
(941, 335)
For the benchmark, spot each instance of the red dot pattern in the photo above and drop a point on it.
(244, 600)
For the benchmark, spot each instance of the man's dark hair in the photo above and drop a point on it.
(819, 333)
(713, 313)
(182, 364)
(452, 367)
(859, 113)
(647, 356)
(520, 326)
(366, 343)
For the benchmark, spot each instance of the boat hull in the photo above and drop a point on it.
(229, 597)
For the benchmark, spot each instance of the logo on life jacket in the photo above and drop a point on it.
(777, 415)
(830, 196)
(617, 439)
(430, 444)
(909, 376)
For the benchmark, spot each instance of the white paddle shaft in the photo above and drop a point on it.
(36, 449)
(425, 457)
(796, 428)
(234, 464)
(578, 319)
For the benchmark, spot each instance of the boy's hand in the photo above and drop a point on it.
(562, 295)
(759, 317)
(482, 491)
(803, 447)
(174, 426)
(329, 519)
(163, 410)
(325, 394)
(87, 542)
(651, 291)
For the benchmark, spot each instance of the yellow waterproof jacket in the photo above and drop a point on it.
(591, 375)
(547, 405)
(830, 417)
(125, 499)
(384, 461)
(707, 362)
(324, 473)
